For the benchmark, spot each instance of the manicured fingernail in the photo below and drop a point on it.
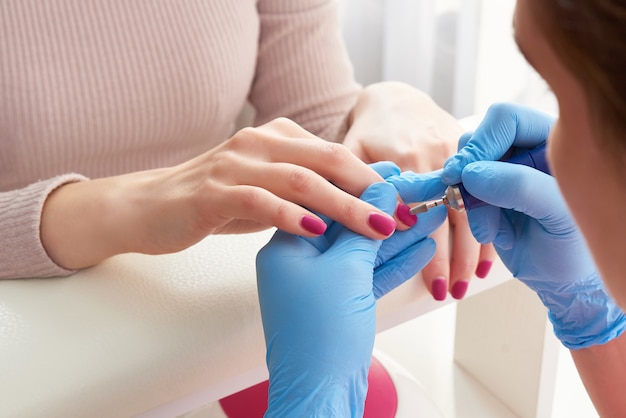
(404, 215)
(459, 289)
(313, 225)
(381, 223)
(439, 289)
(483, 269)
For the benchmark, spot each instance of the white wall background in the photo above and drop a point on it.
(459, 51)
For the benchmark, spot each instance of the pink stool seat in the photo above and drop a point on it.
(381, 400)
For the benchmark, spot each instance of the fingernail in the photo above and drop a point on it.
(404, 215)
(483, 269)
(459, 289)
(313, 225)
(381, 223)
(439, 289)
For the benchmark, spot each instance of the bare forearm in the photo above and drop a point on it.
(602, 369)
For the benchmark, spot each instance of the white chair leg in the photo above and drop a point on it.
(505, 341)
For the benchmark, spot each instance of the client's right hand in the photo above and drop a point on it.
(275, 175)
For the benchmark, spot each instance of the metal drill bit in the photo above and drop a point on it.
(425, 207)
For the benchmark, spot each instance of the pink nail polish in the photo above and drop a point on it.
(439, 289)
(483, 269)
(313, 225)
(459, 289)
(404, 215)
(381, 223)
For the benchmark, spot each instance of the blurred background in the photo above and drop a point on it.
(461, 52)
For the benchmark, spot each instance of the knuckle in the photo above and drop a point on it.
(250, 199)
(283, 124)
(280, 214)
(335, 154)
(300, 180)
(220, 167)
(499, 109)
(243, 138)
(351, 208)
(281, 120)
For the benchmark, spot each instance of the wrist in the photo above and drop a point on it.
(317, 395)
(584, 314)
(80, 224)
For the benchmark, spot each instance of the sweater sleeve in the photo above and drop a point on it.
(21, 251)
(303, 69)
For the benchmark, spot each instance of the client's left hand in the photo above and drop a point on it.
(393, 121)
(318, 304)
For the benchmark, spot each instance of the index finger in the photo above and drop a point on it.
(505, 125)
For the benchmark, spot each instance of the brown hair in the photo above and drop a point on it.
(589, 37)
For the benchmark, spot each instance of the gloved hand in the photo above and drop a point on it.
(505, 125)
(395, 261)
(318, 308)
(531, 227)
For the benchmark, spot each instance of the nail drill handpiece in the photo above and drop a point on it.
(457, 198)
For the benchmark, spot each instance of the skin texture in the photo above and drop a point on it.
(594, 192)
(392, 121)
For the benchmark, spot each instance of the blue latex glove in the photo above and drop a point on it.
(531, 227)
(395, 261)
(505, 125)
(318, 307)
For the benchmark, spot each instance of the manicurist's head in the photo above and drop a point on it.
(579, 48)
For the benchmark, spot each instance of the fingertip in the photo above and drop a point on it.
(404, 215)
(436, 273)
(464, 139)
(313, 225)
(452, 169)
(459, 289)
(439, 288)
(381, 223)
(483, 268)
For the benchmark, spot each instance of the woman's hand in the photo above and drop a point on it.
(274, 175)
(396, 122)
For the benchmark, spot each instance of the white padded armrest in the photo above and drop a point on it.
(139, 332)
(132, 333)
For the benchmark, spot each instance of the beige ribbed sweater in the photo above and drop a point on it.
(101, 87)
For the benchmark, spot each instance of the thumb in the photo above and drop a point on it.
(505, 125)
